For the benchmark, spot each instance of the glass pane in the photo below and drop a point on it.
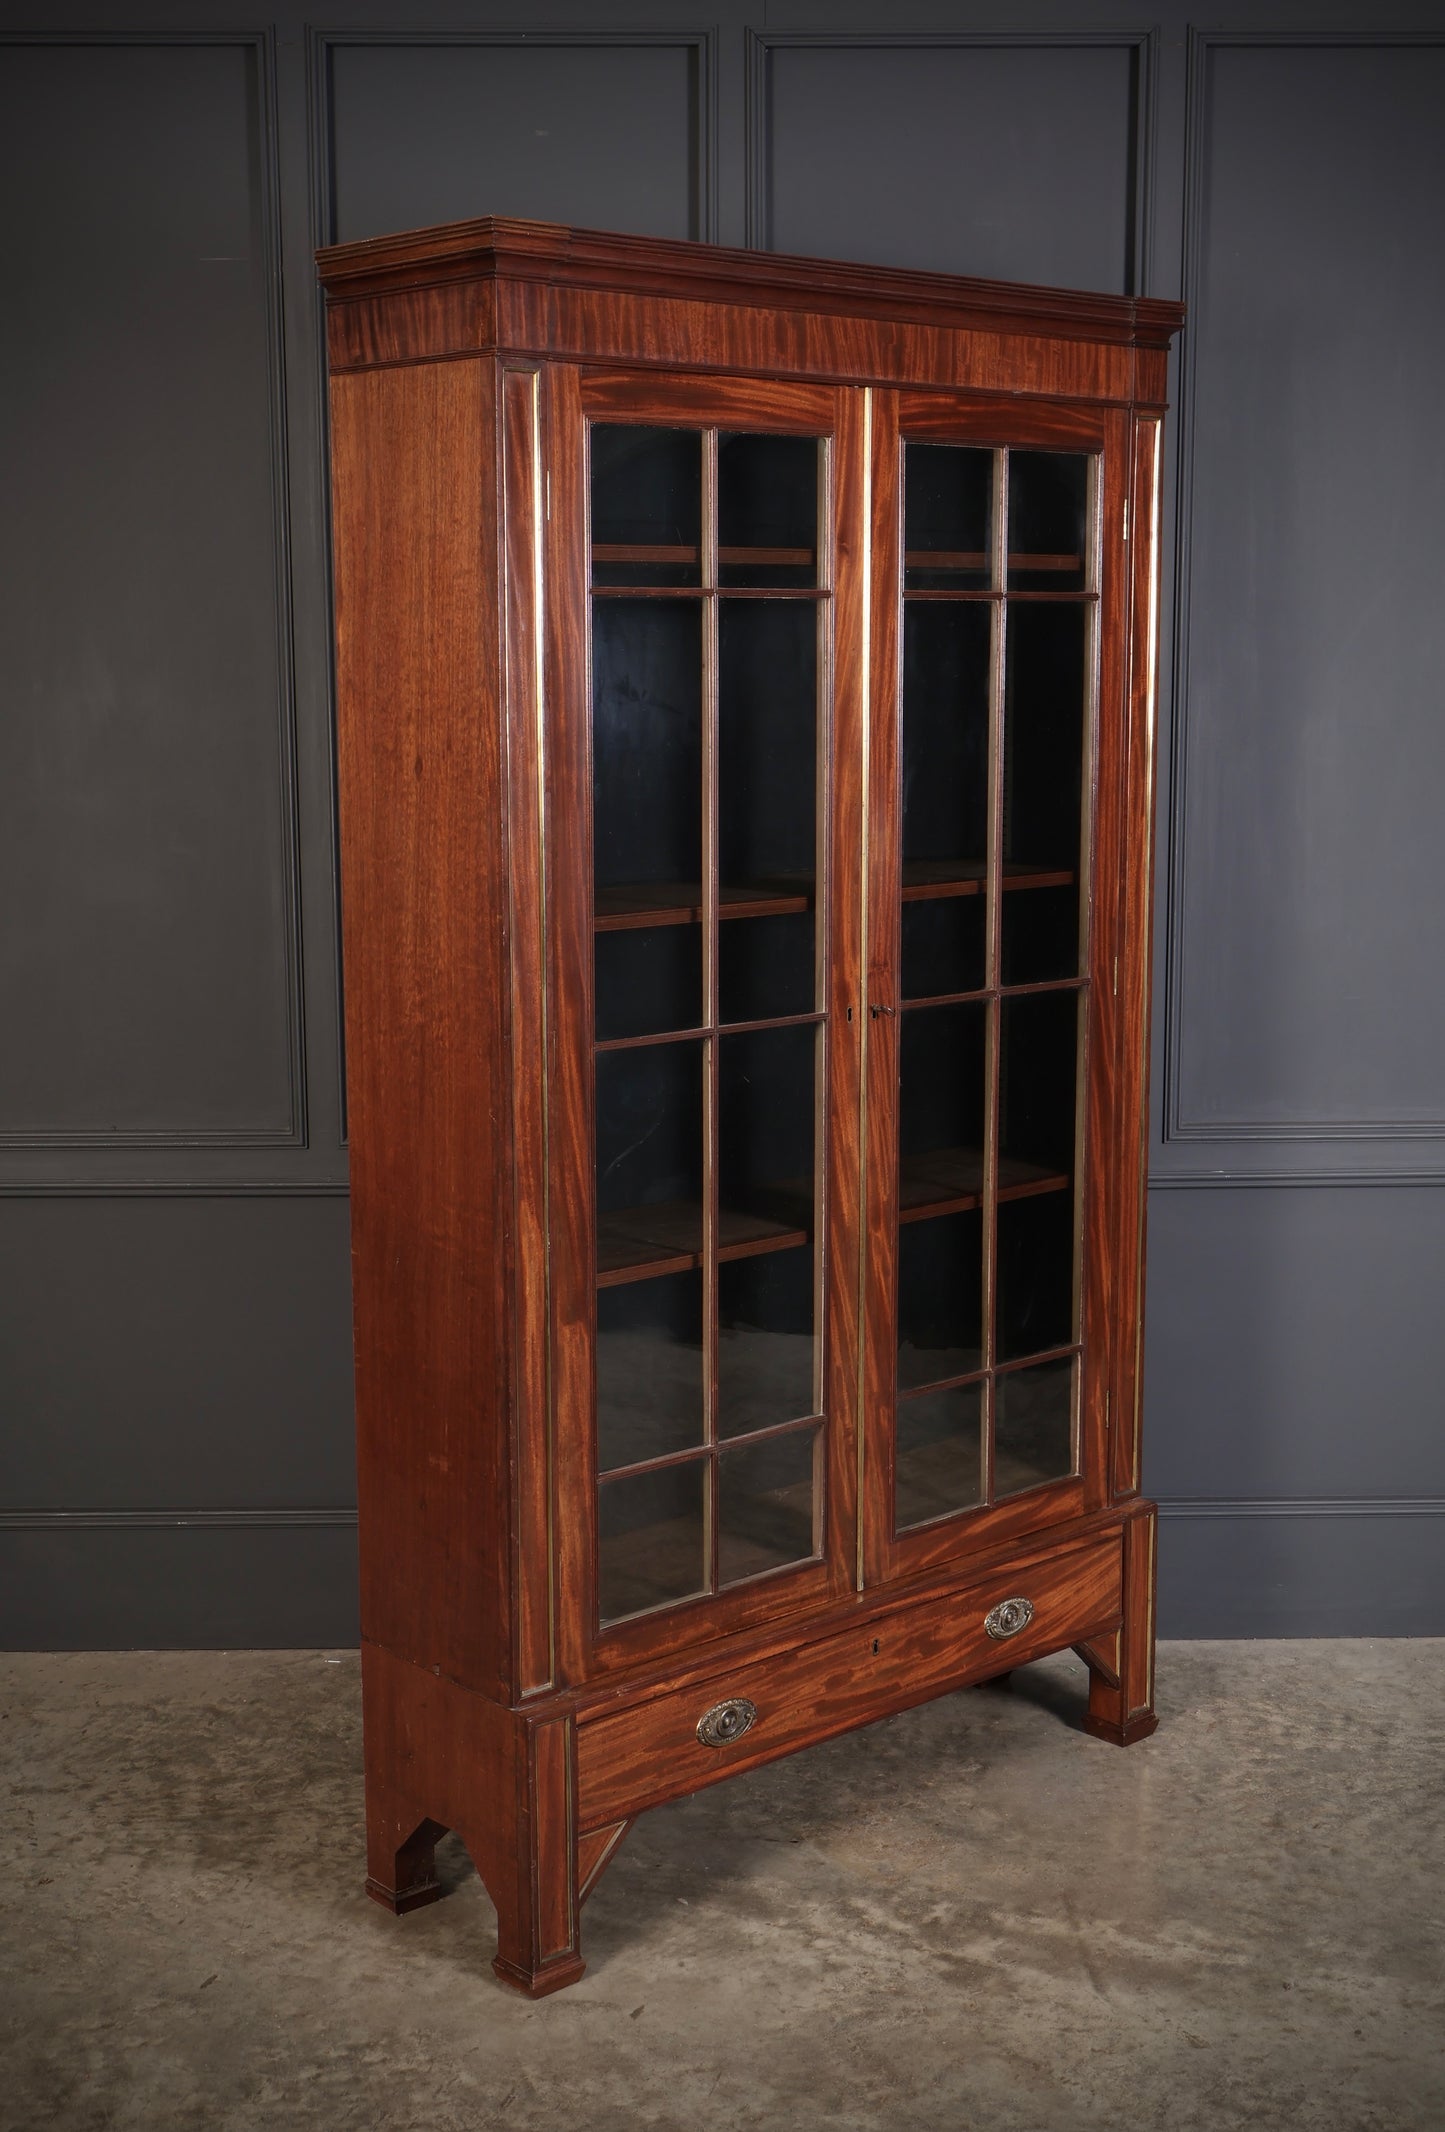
(938, 1454)
(1033, 1426)
(945, 945)
(942, 1055)
(646, 505)
(1047, 505)
(940, 1298)
(767, 1095)
(649, 1369)
(946, 649)
(766, 1495)
(646, 753)
(648, 979)
(1035, 1275)
(1037, 1218)
(1046, 700)
(767, 743)
(765, 968)
(765, 1358)
(650, 1539)
(649, 1156)
(1038, 1074)
(947, 516)
(767, 510)
(1040, 933)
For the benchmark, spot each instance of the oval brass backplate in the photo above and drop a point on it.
(1008, 1617)
(726, 1722)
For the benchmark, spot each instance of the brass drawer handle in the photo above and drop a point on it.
(726, 1722)
(1008, 1617)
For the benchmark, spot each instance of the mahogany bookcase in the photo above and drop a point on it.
(746, 675)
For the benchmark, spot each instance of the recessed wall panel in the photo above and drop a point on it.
(1012, 162)
(143, 847)
(1292, 1344)
(601, 135)
(1308, 924)
(175, 1353)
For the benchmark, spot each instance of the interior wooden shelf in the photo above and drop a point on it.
(926, 880)
(949, 1180)
(638, 1243)
(612, 551)
(974, 559)
(674, 552)
(622, 908)
(639, 903)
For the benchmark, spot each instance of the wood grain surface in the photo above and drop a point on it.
(424, 872)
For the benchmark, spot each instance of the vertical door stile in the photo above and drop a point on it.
(877, 1178)
(1136, 949)
(710, 1016)
(825, 620)
(522, 562)
(870, 606)
(993, 953)
(567, 1065)
(1098, 917)
(1104, 1254)
(843, 686)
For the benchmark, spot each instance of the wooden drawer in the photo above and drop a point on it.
(637, 1757)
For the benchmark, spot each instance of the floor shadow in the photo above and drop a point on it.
(1064, 1696)
(453, 1864)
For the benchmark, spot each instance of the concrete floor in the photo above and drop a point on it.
(972, 1917)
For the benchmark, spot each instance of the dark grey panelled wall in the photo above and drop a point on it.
(175, 1437)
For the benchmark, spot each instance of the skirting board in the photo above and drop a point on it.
(1294, 1569)
(205, 1585)
(228, 1580)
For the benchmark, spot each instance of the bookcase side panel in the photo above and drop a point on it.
(425, 926)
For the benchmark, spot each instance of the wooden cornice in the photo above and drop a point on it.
(496, 247)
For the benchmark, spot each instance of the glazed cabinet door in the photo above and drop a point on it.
(706, 612)
(999, 612)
